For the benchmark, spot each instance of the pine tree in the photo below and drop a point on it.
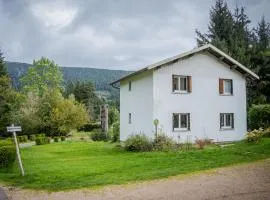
(3, 70)
(263, 34)
(219, 28)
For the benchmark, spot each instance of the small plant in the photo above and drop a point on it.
(7, 153)
(164, 143)
(201, 143)
(116, 132)
(22, 138)
(254, 136)
(63, 138)
(56, 139)
(266, 132)
(138, 143)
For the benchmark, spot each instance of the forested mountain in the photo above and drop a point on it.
(101, 78)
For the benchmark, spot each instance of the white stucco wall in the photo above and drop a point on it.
(204, 103)
(138, 102)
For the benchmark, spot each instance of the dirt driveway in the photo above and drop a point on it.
(248, 181)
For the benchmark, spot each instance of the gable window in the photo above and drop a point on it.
(181, 84)
(129, 86)
(181, 121)
(129, 118)
(226, 120)
(226, 86)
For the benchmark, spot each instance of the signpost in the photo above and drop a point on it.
(15, 129)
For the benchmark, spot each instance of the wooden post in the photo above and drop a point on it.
(104, 118)
(17, 149)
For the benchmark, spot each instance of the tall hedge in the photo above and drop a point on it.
(7, 153)
(259, 116)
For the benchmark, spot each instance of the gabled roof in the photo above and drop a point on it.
(208, 47)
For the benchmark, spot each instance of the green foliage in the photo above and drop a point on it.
(164, 143)
(116, 132)
(254, 136)
(43, 75)
(56, 139)
(138, 143)
(98, 135)
(43, 140)
(32, 137)
(9, 104)
(84, 92)
(63, 138)
(7, 153)
(259, 116)
(113, 115)
(22, 138)
(3, 70)
(90, 127)
(68, 115)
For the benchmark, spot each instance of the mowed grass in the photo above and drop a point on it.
(70, 165)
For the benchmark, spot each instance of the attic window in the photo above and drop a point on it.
(181, 84)
(226, 86)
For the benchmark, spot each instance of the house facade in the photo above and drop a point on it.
(197, 94)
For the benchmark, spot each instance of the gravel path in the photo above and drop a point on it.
(248, 181)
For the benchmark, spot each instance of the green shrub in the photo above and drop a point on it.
(90, 127)
(56, 139)
(32, 137)
(63, 138)
(116, 132)
(22, 138)
(254, 136)
(138, 143)
(7, 153)
(98, 135)
(42, 140)
(40, 135)
(164, 143)
(259, 116)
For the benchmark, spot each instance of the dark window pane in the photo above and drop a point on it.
(228, 120)
(184, 121)
(222, 120)
(175, 121)
(175, 84)
(183, 83)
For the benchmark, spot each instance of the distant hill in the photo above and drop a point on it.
(101, 78)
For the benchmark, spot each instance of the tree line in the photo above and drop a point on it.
(43, 104)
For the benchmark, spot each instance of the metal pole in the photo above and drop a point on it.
(18, 153)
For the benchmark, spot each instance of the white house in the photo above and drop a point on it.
(197, 94)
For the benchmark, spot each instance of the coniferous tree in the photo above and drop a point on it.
(3, 70)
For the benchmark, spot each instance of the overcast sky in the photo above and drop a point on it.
(112, 34)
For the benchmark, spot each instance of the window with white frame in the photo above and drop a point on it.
(181, 121)
(180, 84)
(226, 120)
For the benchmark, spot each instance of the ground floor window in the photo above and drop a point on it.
(181, 121)
(226, 120)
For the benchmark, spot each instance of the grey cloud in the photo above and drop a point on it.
(120, 34)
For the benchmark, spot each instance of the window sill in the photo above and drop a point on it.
(226, 129)
(180, 92)
(181, 130)
(225, 94)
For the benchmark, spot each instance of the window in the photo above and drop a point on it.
(181, 84)
(181, 121)
(226, 120)
(226, 86)
(129, 118)
(129, 86)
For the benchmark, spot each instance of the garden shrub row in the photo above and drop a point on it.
(259, 116)
(256, 135)
(42, 140)
(22, 138)
(98, 135)
(90, 127)
(7, 153)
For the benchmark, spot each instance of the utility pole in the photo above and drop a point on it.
(15, 129)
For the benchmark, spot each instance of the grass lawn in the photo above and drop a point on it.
(69, 165)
